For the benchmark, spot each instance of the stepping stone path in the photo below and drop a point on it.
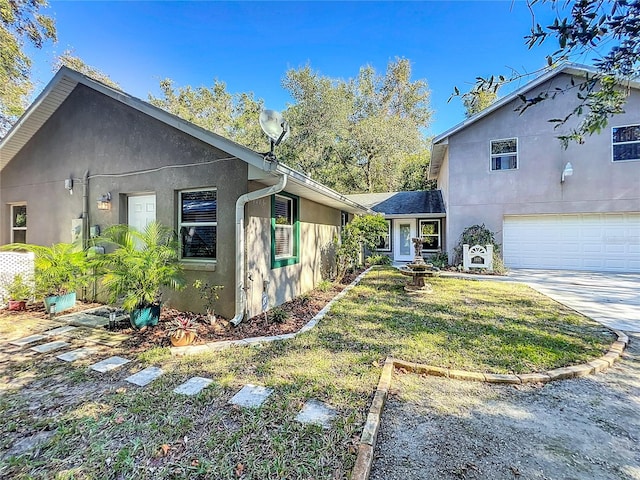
(193, 386)
(49, 347)
(317, 413)
(59, 330)
(251, 396)
(78, 354)
(21, 342)
(109, 364)
(144, 377)
(87, 320)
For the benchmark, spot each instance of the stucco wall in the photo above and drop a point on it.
(319, 225)
(95, 133)
(478, 195)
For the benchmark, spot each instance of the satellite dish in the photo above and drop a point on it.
(274, 125)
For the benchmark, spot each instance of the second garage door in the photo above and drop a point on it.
(595, 242)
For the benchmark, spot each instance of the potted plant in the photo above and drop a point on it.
(208, 293)
(18, 292)
(182, 331)
(60, 270)
(140, 265)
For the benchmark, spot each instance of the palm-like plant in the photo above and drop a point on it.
(141, 264)
(60, 269)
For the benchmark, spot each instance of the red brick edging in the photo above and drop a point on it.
(364, 460)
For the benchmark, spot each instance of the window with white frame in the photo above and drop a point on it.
(430, 235)
(626, 143)
(198, 223)
(284, 226)
(19, 223)
(504, 154)
(384, 242)
(285, 230)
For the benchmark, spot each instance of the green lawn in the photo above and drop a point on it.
(100, 427)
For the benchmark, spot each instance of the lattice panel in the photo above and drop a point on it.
(12, 264)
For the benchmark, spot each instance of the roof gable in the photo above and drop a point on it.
(267, 172)
(439, 144)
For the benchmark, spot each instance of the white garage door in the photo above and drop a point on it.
(595, 242)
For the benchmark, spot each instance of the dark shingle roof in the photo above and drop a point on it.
(402, 203)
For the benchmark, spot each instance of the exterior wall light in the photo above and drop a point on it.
(104, 201)
(567, 172)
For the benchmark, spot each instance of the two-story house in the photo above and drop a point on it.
(550, 207)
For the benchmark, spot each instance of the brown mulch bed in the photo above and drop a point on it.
(298, 312)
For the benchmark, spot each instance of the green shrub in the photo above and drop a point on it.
(379, 259)
(324, 286)
(59, 269)
(474, 235)
(305, 298)
(440, 259)
(278, 315)
(363, 231)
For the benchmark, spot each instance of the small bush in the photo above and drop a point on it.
(305, 298)
(475, 235)
(440, 260)
(379, 259)
(278, 315)
(324, 286)
(498, 265)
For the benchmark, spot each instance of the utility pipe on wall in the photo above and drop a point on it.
(241, 302)
(85, 210)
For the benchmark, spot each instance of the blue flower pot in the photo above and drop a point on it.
(145, 317)
(62, 302)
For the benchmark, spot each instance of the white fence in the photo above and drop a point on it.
(477, 257)
(12, 264)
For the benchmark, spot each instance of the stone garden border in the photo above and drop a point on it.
(364, 460)
(215, 346)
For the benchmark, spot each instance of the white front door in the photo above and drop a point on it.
(404, 231)
(141, 211)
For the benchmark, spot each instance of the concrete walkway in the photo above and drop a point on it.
(612, 299)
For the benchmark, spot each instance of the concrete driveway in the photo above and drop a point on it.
(612, 299)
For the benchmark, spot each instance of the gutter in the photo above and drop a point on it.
(241, 300)
(320, 188)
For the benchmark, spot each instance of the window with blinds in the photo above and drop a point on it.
(504, 154)
(284, 227)
(285, 230)
(198, 223)
(626, 143)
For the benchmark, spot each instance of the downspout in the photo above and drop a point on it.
(85, 210)
(85, 220)
(241, 302)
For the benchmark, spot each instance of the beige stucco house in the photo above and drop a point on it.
(505, 169)
(85, 156)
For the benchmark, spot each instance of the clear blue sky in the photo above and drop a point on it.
(250, 45)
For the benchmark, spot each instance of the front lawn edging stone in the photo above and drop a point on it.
(364, 460)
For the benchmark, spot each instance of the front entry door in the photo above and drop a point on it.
(404, 231)
(141, 211)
